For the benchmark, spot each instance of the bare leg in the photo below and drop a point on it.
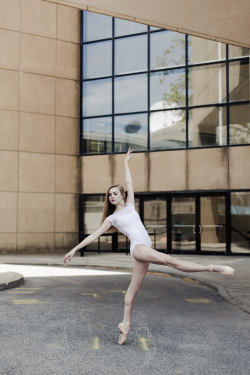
(139, 272)
(146, 254)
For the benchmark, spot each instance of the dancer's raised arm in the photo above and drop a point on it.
(128, 178)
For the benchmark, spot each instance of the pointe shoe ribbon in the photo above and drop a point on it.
(124, 329)
(224, 270)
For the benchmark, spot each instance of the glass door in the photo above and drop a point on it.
(155, 221)
(213, 223)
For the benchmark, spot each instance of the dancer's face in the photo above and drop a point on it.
(115, 196)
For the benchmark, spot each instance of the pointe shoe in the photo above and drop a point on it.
(224, 270)
(124, 329)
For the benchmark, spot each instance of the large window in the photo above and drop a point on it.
(155, 89)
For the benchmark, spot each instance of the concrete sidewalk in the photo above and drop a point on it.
(235, 289)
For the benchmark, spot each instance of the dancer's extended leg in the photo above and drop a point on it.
(139, 272)
(146, 254)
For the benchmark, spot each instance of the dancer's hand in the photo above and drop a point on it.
(68, 256)
(128, 156)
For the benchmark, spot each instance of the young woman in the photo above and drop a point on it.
(119, 212)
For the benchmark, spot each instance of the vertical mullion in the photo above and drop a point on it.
(198, 223)
(228, 223)
(81, 83)
(186, 71)
(113, 84)
(148, 76)
(169, 223)
(227, 94)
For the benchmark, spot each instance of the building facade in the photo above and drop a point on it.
(77, 89)
(182, 103)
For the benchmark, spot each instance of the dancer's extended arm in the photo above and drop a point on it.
(92, 237)
(128, 179)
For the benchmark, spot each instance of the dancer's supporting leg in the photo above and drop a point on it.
(146, 254)
(139, 272)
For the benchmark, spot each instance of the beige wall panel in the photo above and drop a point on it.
(207, 169)
(35, 212)
(38, 17)
(37, 93)
(37, 172)
(10, 14)
(68, 23)
(8, 170)
(66, 213)
(38, 54)
(68, 60)
(212, 19)
(239, 170)
(67, 174)
(8, 242)
(65, 241)
(8, 209)
(9, 89)
(37, 133)
(67, 135)
(67, 98)
(9, 130)
(168, 171)
(35, 242)
(9, 47)
(96, 174)
(138, 167)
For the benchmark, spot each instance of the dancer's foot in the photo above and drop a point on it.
(225, 270)
(124, 329)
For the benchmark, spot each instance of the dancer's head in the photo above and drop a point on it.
(114, 195)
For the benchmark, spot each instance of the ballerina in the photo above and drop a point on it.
(119, 212)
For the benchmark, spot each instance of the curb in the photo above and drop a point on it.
(10, 280)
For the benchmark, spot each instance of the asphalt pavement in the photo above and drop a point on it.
(234, 288)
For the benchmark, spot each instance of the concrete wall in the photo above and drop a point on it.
(187, 170)
(39, 122)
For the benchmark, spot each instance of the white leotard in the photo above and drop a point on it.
(128, 222)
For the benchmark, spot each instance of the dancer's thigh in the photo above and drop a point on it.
(144, 253)
(139, 272)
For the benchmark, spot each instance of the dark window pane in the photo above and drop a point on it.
(207, 84)
(207, 127)
(235, 51)
(97, 59)
(131, 131)
(96, 26)
(97, 97)
(167, 129)
(167, 89)
(131, 93)
(131, 54)
(240, 124)
(240, 214)
(204, 50)
(167, 48)
(97, 135)
(155, 221)
(239, 80)
(123, 27)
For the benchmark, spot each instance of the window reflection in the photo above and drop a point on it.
(131, 93)
(240, 124)
(97, 59)
(136, 49)
(207, 84)
(167, 89)
(207, 127)
(240, 214)
(155, 221)
(204, 50)
(123, 27)
(167, 49)
(97, 97)
(131, 131)
(236, 51)
(97, 135)
(167, 129)
(96, 26)
(239, 80)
